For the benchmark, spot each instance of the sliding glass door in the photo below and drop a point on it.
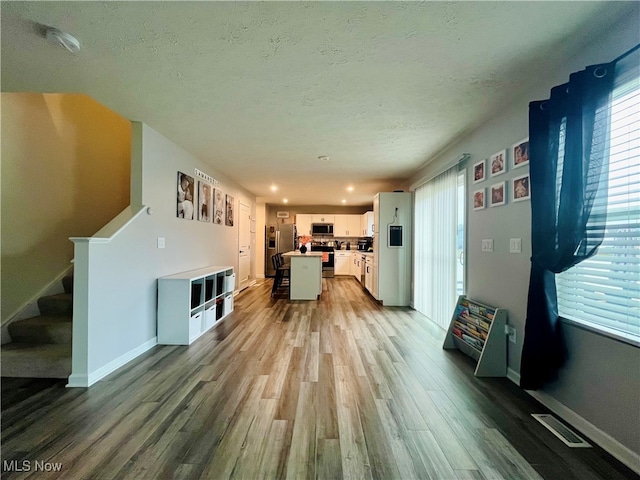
(461, 237)
(439, 245)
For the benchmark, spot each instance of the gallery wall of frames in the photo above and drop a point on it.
(491, 191)
(203, 200)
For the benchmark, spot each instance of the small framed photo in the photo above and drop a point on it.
(520, 153)
(498, 196)
(479, 171)
(204, 201)
(498, 163)
(218, 206)
(479, 199)
(228, 220)
(521, 188)
(186, 195)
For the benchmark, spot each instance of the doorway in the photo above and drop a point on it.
(244, 246)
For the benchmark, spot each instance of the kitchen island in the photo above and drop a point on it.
(305, 275)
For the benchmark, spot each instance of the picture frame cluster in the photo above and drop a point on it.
(496, 165)
(203, 202)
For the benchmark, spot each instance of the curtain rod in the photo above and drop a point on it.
(457, 161)
(627, 53)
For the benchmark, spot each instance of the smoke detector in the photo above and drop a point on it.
(63, 39)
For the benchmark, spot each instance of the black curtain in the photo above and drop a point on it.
(568, 146)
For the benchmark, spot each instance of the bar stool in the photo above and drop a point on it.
(281, 279)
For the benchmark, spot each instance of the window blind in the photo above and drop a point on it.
(435, 229)
(604, 291)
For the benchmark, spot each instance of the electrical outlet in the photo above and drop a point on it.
(511, 334)
(160, 242)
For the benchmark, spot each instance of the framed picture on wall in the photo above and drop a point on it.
(498, 195)
(479, 171)
(218, 206)
(497, 163)
(479, 199)
(229, 216)
(520, 153)
(185, 206)
(521, 188)
(204, 201)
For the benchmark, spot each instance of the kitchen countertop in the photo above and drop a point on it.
(296, 253)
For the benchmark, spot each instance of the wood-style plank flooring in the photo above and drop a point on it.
(338, 388)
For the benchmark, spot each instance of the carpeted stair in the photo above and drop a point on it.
(41, 346)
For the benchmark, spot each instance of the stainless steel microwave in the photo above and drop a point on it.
(322, 229)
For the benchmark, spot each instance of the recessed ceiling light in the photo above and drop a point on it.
(344, 201)
(285, 200)
(350, 188)
(274, 188)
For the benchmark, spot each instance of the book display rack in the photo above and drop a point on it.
(478, 330)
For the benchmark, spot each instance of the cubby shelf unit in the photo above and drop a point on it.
(190, 303)
(478, 330)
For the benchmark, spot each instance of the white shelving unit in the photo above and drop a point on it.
(479, 331)
(190, 303)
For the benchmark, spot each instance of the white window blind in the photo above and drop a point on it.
(435, 227)
(603, 292)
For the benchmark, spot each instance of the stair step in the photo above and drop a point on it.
(60, 305)
(67, 283)
(42, 329)
(24, 360)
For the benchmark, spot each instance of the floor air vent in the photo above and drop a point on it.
(561, 431)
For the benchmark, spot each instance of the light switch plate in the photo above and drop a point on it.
(515, 245)
(160, 242)
(487, 245)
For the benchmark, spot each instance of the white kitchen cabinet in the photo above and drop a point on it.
(342, 262)
(341, 226)
(322, 218)
(369, 275)
(303, 224)
(367, 224)
(355, 222)
(355, 270)
(347, 225)
(192, 302)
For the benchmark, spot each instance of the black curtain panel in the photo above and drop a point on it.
(569, 152)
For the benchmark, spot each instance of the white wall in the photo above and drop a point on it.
(121, 275)
(606, 400)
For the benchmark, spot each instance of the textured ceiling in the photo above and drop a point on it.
(259, 90)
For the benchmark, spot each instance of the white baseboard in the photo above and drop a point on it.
(602, 439)
(513, 376)
(260, 275)
(77, 381)
(99, 374)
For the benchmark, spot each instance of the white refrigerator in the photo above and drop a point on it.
(392, 250)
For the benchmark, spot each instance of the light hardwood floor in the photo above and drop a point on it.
(338, 388)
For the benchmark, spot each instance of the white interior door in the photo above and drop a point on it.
(244, 258)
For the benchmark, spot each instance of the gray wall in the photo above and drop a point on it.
(121, 275)
(601, 381)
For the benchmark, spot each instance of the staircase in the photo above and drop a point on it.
(41, 346)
